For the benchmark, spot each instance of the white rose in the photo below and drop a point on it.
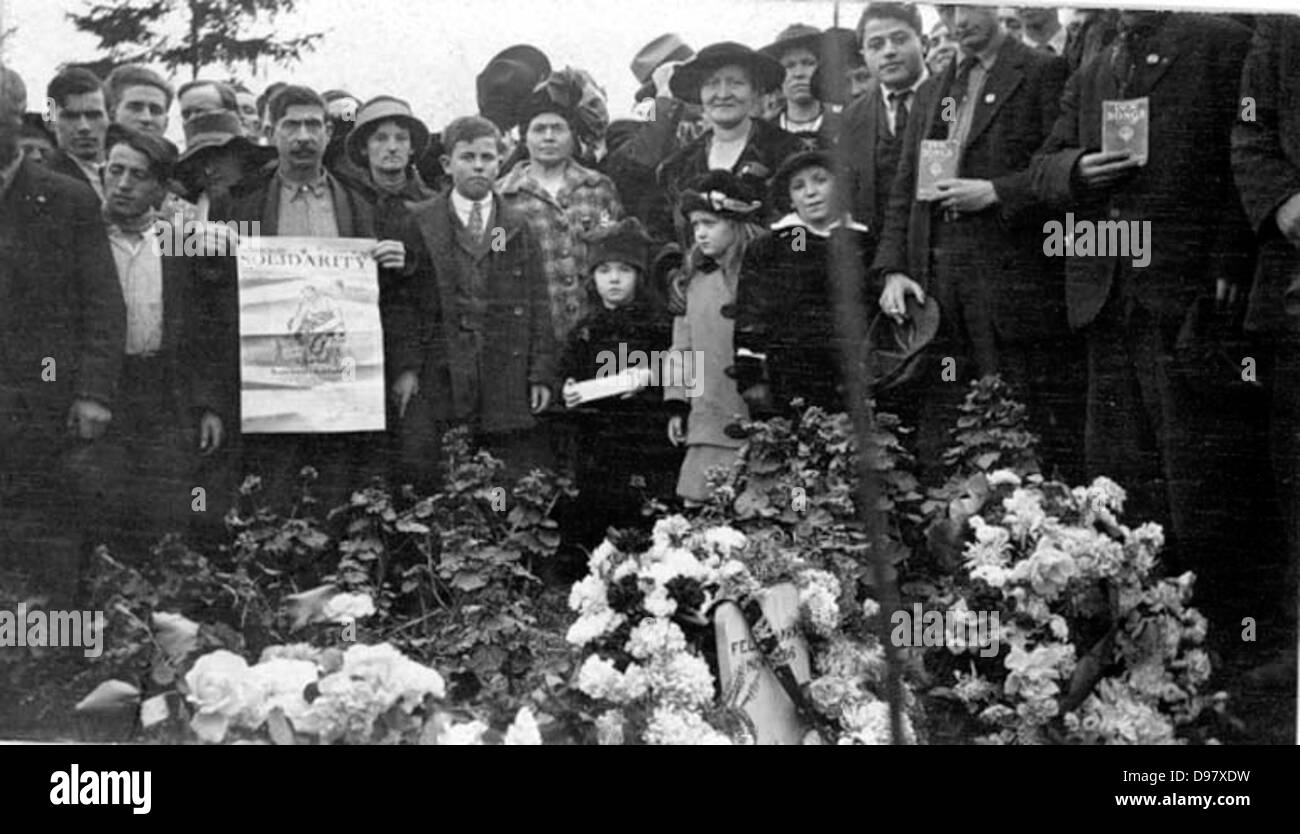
(342, 608)
(524, 730)
(219, 685)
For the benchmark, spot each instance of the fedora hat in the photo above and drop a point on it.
(506, 82)
(766, 72)
(381, 109)
(795, 36)
(894, 352)
(216, 129)
(654, 55)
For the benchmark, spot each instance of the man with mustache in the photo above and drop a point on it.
(62, 328)
(487, 340)
(978, 247)
(80, 115)
(299, 197)
(727, 79)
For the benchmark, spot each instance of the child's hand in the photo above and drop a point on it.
(677, 430)
(539, 397)
(571, 395)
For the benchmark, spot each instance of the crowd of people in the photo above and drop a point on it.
(520, 248)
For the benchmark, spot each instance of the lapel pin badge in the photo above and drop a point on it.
(1153, 59)
(990, 98)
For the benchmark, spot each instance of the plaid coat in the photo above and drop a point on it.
(587, 200)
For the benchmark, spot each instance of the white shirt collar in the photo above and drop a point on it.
(463, 206)
(916, 85)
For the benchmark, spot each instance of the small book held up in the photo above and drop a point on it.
(1125, 126)
(938, 161)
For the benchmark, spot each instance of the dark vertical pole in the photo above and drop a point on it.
(848, 277)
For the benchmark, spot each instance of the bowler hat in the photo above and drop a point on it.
(893, 350)
(506, 82)
(795, 36)
(376, 111)
(766, 72)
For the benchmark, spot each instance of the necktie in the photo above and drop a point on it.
(958, 89)
(898, 102)
(475, 224)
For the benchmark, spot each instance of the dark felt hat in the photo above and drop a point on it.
(376, 111)
(658, 52)
(506, 82)
(724, 194)
(766, 72)
(217, 129)
(625, 241)
(795, 36)
(895, 352)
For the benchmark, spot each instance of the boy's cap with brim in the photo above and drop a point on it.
(894, 351)
(376, 111)
(766, 72)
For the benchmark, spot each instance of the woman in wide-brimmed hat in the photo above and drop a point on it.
(727, 80)
(557, 196)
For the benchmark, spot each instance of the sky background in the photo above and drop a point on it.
(429, 51)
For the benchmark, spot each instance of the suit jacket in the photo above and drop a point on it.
(1001, 246)
(61, 162)
(857, 150)
(495, 342)
(1266, 162)
(1198, 231)
(59, 298)
(257, 200)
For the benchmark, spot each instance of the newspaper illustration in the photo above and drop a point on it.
(311, 343)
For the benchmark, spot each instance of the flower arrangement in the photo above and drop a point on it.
(1097, 649)
(643, 622)
(302, 693)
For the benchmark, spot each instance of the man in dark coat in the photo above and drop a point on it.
(62, 324)
(1266, 162)
(1140, 315)
(488, 350)
(80, 119)
(978, 248)
(147, 463)
(300, 198)
(871, 139)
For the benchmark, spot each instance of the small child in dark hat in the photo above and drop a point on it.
(623, 458)
(723, 210)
